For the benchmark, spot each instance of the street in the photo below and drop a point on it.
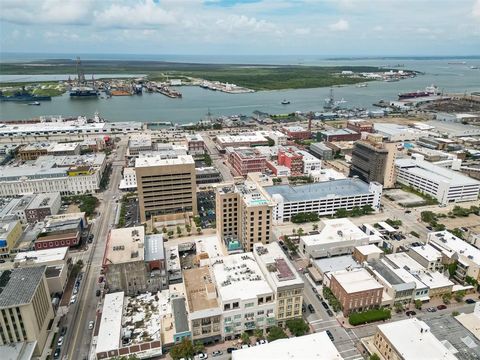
(78, 337)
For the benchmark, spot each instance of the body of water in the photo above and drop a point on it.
(196, 102)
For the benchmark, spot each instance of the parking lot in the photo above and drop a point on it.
(404, 198)
(132, 214)
(206, 207)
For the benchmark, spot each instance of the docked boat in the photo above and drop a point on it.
(82, 90)
(23, 96)
(285, 102)
(429, 91)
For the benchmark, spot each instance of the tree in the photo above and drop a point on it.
(455, 313)
(207, 159)
(164, 230)
(270, 142)
(276, 333)
(170, 233)
(182, 350)
(300, 232)
(446, 298)
(459, 295)
(179, 230)
(245, 338)
(297, 327)
(189, 229)
(315, 226)
(199, 230)
(198, 346)
(452, 268)
(374, 356)
(398, 307)
(258, 333)
(418, 304)
(80, 263)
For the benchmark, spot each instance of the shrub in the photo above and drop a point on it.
(369, 316)
(297, 327)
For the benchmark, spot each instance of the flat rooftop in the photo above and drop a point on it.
(241, 138)
(449, 241)
(111, 322)
(312, 346)
(159, 160)
(44, 200)
(471, 321)
(427, 251)
(18, 286)
(336, 263)
(294, 128)
(335, 230)
(42, 256)
(428, 170)
(200, 289)
(412, 337)
(335, 188)
(154, 247)
(278, 269)
(356, 280)
(125, 245)
(369, 249)
(238, 277)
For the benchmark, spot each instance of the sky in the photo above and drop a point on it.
(248, 27)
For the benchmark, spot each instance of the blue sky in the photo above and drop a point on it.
(235, 27)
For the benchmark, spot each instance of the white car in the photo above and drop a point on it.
(90, 325)
(73, 299)
(60, 341)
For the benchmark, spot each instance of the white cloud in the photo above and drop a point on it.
(302, 31)
(476, 9)
(340, 25)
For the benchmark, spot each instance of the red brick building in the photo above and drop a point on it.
(356, 290)
(360, 125)
(340, 135)
(292, 160)
(296, 132)
(246, 160)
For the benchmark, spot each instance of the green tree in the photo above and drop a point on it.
(179, 230)
(452, 268)
(447, 298)
(298, 327)
(198, 346)
(270, 142)
(182, 350)
(459, 295)
(315, 226)
(245, 338)
(398, 307)
(300, 232)
(455, 313)
(164, 230)
(170, 233)
(258, 333)
(199, 230)
(418, 304)
(276, 333)
(188, 228)
(374, 356)
(207, 159)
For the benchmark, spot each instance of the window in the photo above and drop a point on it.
(247, 305)
(226, 307)
(235, 305)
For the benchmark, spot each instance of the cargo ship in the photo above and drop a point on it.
(24, 96)
(429, 91)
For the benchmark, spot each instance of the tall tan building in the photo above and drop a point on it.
(166, 186)
(25, 307)
(243, 216)
(374, 160)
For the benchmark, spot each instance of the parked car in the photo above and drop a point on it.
(56, 354)
(411, 313)
(202, 356)
(90, 325)
(73, 299)
(325, 305)
(319, 297)
(217, 353)
(441, 307)
(431, 309)
(60, 341)
(304, 308)
(245, 346)
(231, 349)
(408, 211)
(330, 335)
(63, 331)
(470, 301)
(330, 312)
(311, 308)
(314, 289)
(98, 292)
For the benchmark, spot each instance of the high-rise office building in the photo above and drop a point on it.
(25, 307)
(374, 161)
(244, 215)
(166, 186)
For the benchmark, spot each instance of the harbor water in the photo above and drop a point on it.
(449, 77)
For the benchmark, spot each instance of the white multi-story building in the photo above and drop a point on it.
(336, 237)
(138, 143)
(195, 144)
(443, 184)
(129, 181)
(323, 198)
(454, 248)
(77, 174)
(426, 255)
(310, 163)
(283, 279)
(246, 298)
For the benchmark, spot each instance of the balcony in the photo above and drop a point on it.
(250, 325)
(228, 329)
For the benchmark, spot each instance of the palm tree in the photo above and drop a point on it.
(300, 232)
(315, 226)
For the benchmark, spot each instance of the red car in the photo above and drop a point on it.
(441, 307)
